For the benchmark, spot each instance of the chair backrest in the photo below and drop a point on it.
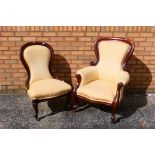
(37, 57)
(113, 54)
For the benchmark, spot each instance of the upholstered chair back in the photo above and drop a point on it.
(111, 56)
(37, 58)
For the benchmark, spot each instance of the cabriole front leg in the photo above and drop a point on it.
(35, 106)
(116, 102)
(75, 101)
(114, 105)
(75, 97)
(68, 102)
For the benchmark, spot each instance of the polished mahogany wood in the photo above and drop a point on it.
(75, 97)
(36, 102)
(115, 103)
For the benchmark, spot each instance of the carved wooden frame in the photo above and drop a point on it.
(115, 103)
(36, 101)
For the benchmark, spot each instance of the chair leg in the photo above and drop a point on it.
(114, 107)
(75, 102)
(68, 102)
(113, 119)
(35, 106)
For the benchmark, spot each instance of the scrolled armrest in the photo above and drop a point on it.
(123, 77)
(87, 74)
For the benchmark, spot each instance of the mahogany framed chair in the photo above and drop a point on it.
(41, 84)
(103, 82)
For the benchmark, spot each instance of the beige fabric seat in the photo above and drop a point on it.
(48, 88)
(98, 90)
(102, 90)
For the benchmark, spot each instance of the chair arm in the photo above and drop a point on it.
(123, 77)
(87, 74)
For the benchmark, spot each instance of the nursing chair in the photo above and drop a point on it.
(103, 82)
(41, 84)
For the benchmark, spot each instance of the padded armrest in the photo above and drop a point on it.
(88, 74)
(123, 77)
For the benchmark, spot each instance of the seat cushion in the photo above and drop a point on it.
(48, 88)
(98, 90)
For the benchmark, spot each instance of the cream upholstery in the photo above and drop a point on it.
(99, 83)
(112, 54)
(48, 88)
(123, 77)
(42, 85)
(88, 74)
(98, 90)
(37, 57)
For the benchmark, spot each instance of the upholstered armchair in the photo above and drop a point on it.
(41, 84)
(103, 82)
